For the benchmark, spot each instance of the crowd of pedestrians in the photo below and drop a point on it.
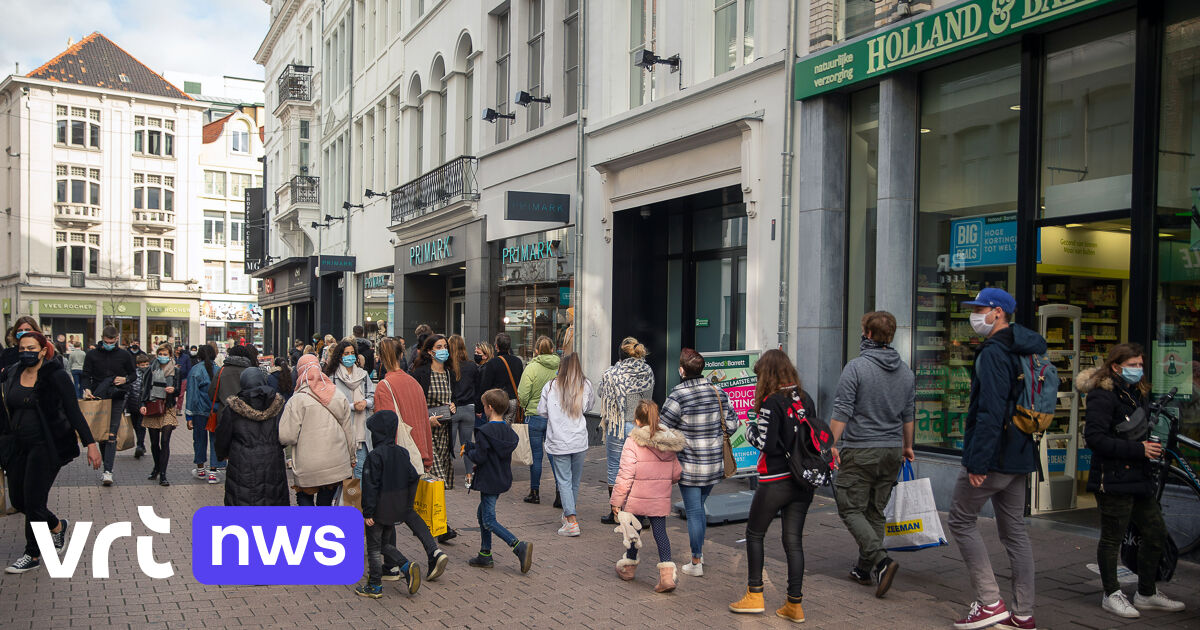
(365, 423)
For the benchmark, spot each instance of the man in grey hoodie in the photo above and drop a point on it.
(873, 427)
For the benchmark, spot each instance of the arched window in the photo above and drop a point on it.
(466, 104)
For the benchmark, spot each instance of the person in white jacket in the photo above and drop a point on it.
(356, 385)
(316, 424)
(564, 401)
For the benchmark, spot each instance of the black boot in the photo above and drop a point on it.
(609, 518)
(534, 496)
(153, 475)
(162, 480)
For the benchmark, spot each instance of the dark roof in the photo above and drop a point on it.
(95, 61)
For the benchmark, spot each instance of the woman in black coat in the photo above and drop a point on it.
(248, 437)
(1122, 479)
(39, 422)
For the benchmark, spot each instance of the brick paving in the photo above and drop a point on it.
(572, 582)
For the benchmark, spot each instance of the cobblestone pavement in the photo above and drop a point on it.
(572, 583)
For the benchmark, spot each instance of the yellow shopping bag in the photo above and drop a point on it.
(430, 504)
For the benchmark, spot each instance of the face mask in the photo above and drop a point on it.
(349, 360)
(163, 360)
(21, 333)
(479, 358)
(1131, 375)
(441, 355)
(192, 353)
(108, 346)
(980, 326)
(28, 358)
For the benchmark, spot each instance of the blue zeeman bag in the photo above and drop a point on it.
(911, 514)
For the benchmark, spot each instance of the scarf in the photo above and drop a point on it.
(352, 377)
(626, 378)
(868, 344)
(313, 382)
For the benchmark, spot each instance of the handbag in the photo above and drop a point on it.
(156, 407)
(911, 515)
(514, 406)
(404, 435)
(523, 454)
(211, 425)
(727, 459)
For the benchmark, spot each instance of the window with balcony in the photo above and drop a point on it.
(733, 34)
(571, 58)
(503, 96)
(77, 126)
(214, 183)
(77, 251)
(77, 185)
(154, 136)
(305, 136)
(214, 228)
(536, 44)
(153, 256)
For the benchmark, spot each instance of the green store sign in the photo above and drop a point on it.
(162, 309)
(932, 35)
(66, 307)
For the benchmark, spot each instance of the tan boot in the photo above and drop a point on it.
(626, 568)
(792, 611)
(666, 577)
(751, 603)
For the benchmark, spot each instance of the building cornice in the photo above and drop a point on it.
(103, 93)
(279, 24)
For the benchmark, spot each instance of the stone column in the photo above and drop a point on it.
(898, 138)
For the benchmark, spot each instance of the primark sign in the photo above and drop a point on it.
(929, 36)
(430, 251)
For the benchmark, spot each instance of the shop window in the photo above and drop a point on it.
(862, 219)
(535, 289)
(1173, 359)
(966, 230)
(1087, 124)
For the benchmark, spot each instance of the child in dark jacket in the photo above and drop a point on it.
(491, 453)
(387, 479)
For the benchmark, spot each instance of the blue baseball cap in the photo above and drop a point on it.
(994, 297)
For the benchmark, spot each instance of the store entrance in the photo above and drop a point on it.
(679, 279)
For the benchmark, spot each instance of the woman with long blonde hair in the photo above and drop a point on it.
(564, 400)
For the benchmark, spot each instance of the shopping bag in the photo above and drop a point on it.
(352, 493)
(911, 514)
(430, 504)
(404, 440)
(1166, 564)
(98, 414)
(125, 435)
(523, 455)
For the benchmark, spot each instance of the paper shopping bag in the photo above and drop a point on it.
(912, 516)
(98, 414)
(523, 455)
(430, 504)
(352, 493)
(125, 435)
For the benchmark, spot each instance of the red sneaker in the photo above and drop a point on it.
(1018, 623)
(981, 616)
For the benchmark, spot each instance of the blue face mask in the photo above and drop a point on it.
(108, 346)
(349, 360)
(163, 360)
(1131, 374)
(442, 355)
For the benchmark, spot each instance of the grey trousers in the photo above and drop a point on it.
(1007, 494)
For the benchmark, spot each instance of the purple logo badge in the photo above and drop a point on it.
(277, 545)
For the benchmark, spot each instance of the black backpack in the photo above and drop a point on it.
(810, 456)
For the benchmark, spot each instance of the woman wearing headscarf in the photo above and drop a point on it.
(621, 388)
(248, 437)
(160, 387)
(316, 424)
(355, 384)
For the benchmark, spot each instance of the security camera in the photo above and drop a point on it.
(491, 115)
(524, 98)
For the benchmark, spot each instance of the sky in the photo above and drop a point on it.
(205, 37)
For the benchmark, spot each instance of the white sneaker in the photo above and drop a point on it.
(1119, 605)
(569, 529)
(201, 473)
(212, 477)
(693, 569)
(1157, 601)
(106, 479)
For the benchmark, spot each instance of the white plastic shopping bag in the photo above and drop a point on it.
(912, 516)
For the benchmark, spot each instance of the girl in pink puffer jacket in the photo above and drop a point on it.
(649, 467)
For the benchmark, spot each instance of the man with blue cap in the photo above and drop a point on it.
(997, 458)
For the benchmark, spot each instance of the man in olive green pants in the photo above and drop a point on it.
(872, 426)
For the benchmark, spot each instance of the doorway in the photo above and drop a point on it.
(679, 280)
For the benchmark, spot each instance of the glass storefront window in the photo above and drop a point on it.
(376, 290)
(536, 284)
(1173, 360)
(966, 231)
(1087, 122)
(864, 198)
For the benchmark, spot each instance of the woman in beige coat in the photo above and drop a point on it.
(317, 424)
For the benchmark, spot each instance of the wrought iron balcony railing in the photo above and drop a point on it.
(300, 189)
(295, 84)
(451, 182)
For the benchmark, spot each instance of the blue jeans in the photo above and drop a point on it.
(613, 446)
(537, 436)
(568, 473)
(488, 524)
(77, 375)
(697, 522)
(203, 444)
(360, 458)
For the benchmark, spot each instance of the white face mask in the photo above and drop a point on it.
(980, 324)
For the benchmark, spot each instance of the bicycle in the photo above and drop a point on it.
(1181, 506)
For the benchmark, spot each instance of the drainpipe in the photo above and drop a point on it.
(348, 277)
(785, 196)
(580, 174)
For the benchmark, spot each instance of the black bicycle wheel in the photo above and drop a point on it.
(1181, 510)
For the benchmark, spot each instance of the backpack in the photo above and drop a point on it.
(1037, 393)
(810, 456)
